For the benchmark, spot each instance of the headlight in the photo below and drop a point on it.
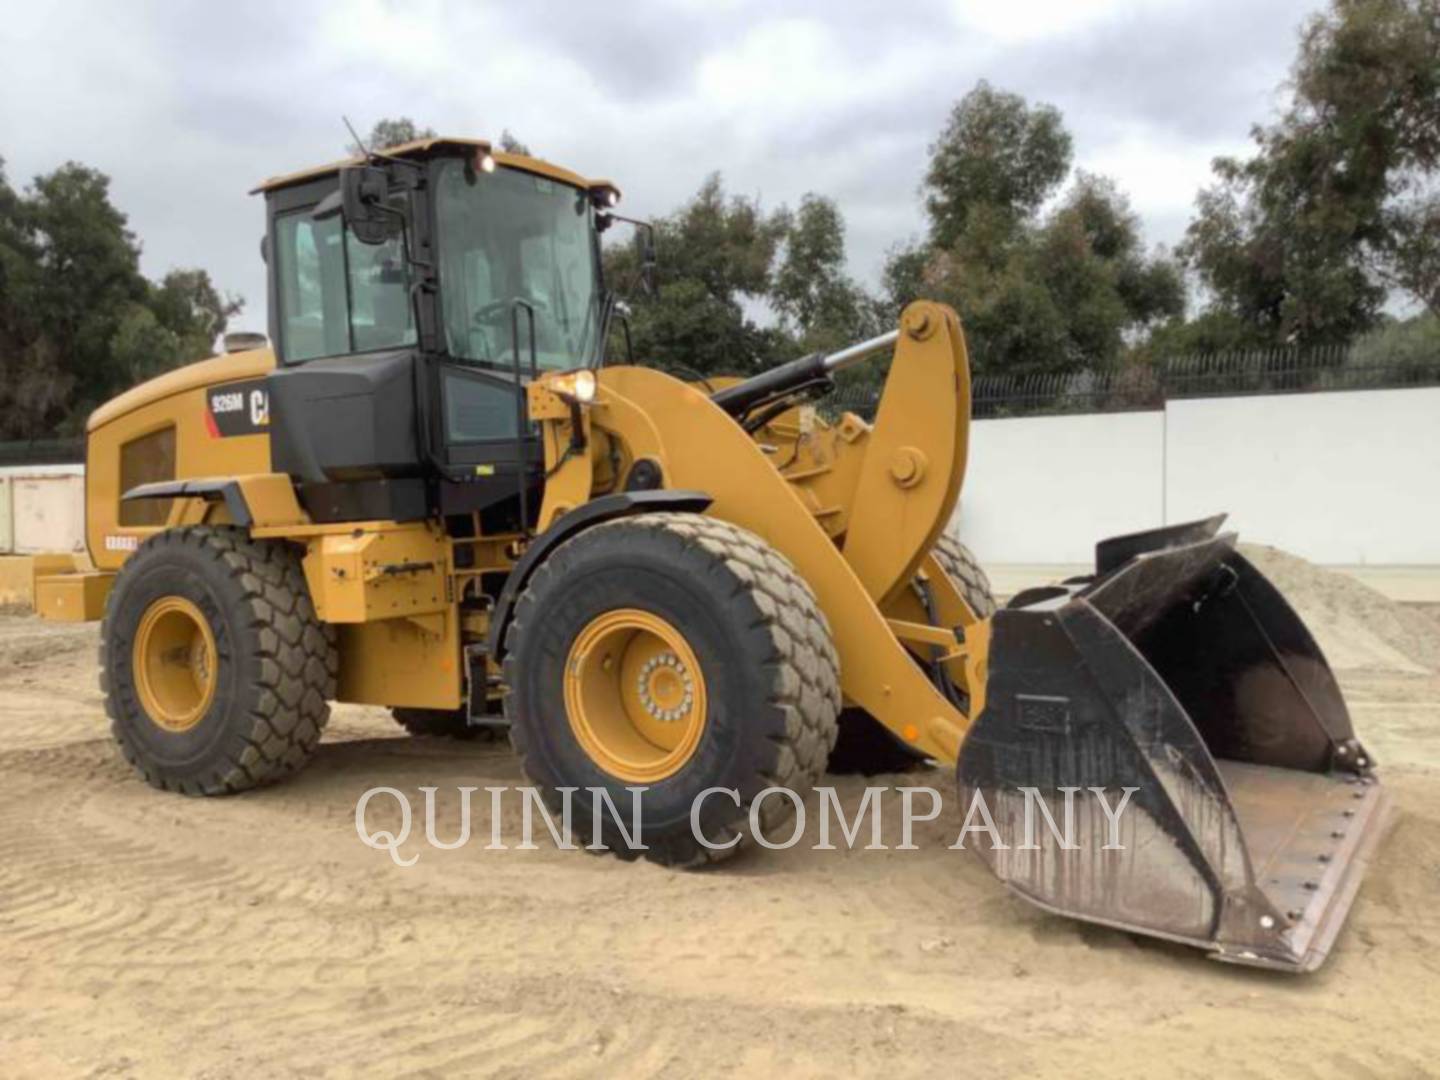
(580, 385)
(585, 386)
(604, 195)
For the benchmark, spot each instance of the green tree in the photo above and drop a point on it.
(715, 255)
(392, 131)
(142, 347)
(18, 258)
(178, 323)
(33, 386)
(1300, 242)
(78, 321)
(1068, 289)
(996, 153)
(87, 275)
(511, 145)
(187, 304)
(1414, 251)
(821, 307)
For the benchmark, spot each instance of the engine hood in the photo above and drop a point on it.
(220, 369)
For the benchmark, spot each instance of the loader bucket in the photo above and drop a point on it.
(1179, 672)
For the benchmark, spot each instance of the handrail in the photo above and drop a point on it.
(521, 415)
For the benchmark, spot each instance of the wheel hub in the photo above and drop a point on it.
(666, 688)
(635, 695)
(175, 663)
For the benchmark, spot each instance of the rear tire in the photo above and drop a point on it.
(865, 746)
(767, 687)
(960, 563)
(261, 698)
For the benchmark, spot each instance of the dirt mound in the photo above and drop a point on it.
(1357, 627)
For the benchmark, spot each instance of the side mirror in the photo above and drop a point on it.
(364, 197)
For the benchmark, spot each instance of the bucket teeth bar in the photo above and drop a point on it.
(1179, 674)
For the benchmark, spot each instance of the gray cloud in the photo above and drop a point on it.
(186, 106)
(1203, 71)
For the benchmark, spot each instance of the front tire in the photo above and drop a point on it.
(671, 653)
(216, 671)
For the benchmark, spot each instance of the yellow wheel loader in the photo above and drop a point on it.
(434, 494)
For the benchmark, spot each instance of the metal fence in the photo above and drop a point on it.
(1149, 386)
(1129, 388)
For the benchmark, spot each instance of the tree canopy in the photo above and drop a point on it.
(717, 254)
(78, 321)
(997, 158)
(1307, 241)
(1302, 242)
(1038, 290)
(392, 131)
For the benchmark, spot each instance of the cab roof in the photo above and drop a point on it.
(423, 148)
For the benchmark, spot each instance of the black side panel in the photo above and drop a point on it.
(345, 418)
(365, 500)
(606, 508)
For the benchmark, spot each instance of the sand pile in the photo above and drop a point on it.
(1357, 627)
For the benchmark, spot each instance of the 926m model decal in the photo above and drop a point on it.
(239, 408)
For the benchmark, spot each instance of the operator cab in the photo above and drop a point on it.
(412, 296)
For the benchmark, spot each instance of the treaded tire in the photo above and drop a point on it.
(960, 563)
(763, 646)
(864, 746)
(442, 723)
(276, 670)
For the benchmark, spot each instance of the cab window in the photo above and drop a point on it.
(337, 295)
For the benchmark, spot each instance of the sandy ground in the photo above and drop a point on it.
(146, 934)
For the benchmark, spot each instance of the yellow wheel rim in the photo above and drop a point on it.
(175, 663)
(635, 695)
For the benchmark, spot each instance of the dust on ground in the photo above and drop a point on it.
(146, 934)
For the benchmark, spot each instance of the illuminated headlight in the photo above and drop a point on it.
(604, 195)
(585, 386)
(486, 162)
(579, 385)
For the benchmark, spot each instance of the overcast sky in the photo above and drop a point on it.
(187, 105)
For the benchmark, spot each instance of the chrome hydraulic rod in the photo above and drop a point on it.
(770, 385)
(854, 354)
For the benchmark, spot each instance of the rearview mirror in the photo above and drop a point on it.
(363, 196)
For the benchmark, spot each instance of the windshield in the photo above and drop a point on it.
(511, 235)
